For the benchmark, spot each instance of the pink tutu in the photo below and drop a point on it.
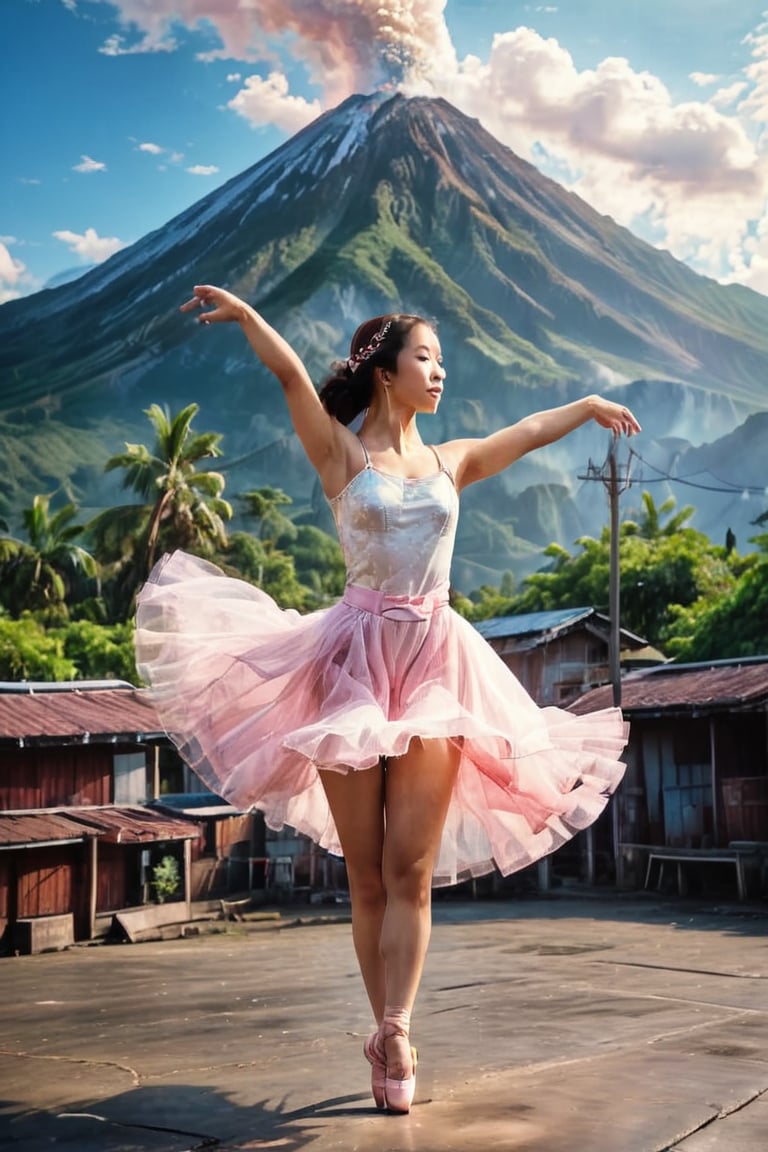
(257, 699)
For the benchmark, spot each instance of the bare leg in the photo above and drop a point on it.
(356, 800)
(418, 789)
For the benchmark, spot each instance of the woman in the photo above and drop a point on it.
(384, 727)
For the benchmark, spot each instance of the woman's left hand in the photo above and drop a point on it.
(614, 416)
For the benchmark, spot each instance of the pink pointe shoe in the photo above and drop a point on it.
(398, 1094)
(373, 1050)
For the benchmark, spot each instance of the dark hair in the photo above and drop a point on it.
(348, 390)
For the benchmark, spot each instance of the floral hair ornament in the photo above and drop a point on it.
(363, 354)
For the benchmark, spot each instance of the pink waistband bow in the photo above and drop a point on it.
(396, 607)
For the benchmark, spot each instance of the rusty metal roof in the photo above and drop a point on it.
(20, 828)
(80, 715)
(135, 825)
(686, 688)
(112, 825)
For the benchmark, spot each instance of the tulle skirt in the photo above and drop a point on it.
(258, 698)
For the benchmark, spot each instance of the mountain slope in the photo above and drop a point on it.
(383, 203)
(402, 202)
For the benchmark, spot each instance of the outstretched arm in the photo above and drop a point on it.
(474, 460)
(318, 432)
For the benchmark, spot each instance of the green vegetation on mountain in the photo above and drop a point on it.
(382, 203)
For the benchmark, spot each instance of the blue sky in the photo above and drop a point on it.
(121, 113)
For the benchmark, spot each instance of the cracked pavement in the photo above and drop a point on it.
(618, 1024)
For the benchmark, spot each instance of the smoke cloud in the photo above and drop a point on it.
(355, 45)
(346, 45)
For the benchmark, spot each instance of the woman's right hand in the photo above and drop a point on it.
(224, 306)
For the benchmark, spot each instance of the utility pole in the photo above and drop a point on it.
(614, 596)
(611, 476)
(615, 479)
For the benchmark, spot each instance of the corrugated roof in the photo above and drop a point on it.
(20, 828)
(29, 687)
(689, 687)
(194, 804)
(80, 714)
(136, 825)
(526, 623)
(113, 825)
(544, 625)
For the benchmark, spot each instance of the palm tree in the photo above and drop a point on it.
(40, 572)
(181, 508)
(264, 505)
(650, 526)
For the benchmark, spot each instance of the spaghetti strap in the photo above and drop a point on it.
(442, 465)
(365, 451)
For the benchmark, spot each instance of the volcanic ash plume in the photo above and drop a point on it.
(347, 45)
(354, 45)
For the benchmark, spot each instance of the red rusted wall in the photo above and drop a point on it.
(5, 901)
(118, 877)
(48, 777)
(232, 831)
(45, 880)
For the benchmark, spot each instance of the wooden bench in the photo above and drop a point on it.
(681, 856)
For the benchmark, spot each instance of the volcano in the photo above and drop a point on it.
(384, 203)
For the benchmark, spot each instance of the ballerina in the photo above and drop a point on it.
(384, 727)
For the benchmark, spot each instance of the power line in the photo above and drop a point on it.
(627, 480)
(727, 486)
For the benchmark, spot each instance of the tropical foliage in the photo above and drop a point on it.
(678, 590)
(66, 610)
(29, 651)
(180, 506)
(67, 588)
(43, 571)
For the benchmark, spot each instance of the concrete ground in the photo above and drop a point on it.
(620, 1024)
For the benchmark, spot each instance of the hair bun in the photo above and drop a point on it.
(341, 368)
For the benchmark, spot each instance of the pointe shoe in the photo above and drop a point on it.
(398, 1094)
(373, 1050)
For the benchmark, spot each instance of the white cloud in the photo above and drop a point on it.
(234, 77)
(203, 170)
(116, 46)
(755, 104)
(29, 180)
(749, 260)
(268, 102)
(704, 79)
(727, 97)
(693, 173)
(88, 165)
(153, 149)
(12, 274)
(89, 246)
